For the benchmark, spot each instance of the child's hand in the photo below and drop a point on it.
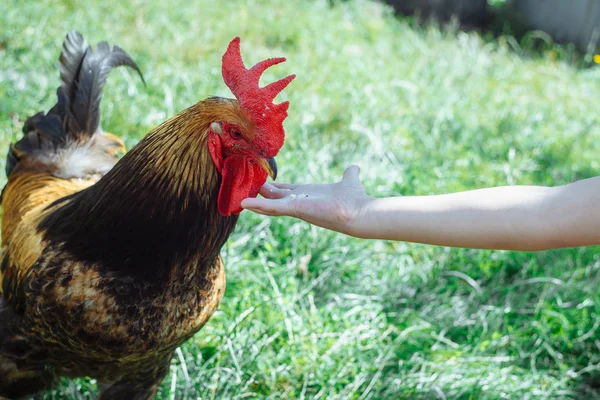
(527, 218)
(334, 206)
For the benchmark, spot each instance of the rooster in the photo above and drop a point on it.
(109, 264)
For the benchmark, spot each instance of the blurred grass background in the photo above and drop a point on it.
(423, 109)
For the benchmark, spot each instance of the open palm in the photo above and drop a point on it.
(333, 206)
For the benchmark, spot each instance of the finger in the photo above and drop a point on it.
(352, 173)
(267, 206)
(287, 186)
(261, 212)
(271, 192)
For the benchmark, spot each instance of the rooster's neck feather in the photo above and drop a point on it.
(156, 209)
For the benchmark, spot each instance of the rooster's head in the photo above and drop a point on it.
(244, 141)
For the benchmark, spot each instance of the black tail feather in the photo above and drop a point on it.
(91, 79)
(76, 115)
(69, 63)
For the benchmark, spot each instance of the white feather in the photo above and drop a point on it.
(78, 160)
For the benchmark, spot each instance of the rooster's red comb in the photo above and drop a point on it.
(257, 101)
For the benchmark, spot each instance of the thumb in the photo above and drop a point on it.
(352, 173)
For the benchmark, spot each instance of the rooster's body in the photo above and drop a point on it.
(108, 265)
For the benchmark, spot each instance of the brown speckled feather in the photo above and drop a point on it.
(107, 277)
(108, 265)
(26, 197)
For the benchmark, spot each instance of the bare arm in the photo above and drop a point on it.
(528, 218)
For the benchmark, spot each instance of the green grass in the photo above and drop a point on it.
(313, 314)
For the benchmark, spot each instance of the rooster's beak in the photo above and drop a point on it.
(270, 166)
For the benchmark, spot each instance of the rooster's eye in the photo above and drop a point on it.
(237, 134)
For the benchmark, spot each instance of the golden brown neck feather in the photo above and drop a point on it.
(157, 206)
(175, 157)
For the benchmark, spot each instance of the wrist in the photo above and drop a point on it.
(358, 225)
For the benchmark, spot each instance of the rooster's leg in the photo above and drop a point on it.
(140, 386)
(21, 373)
